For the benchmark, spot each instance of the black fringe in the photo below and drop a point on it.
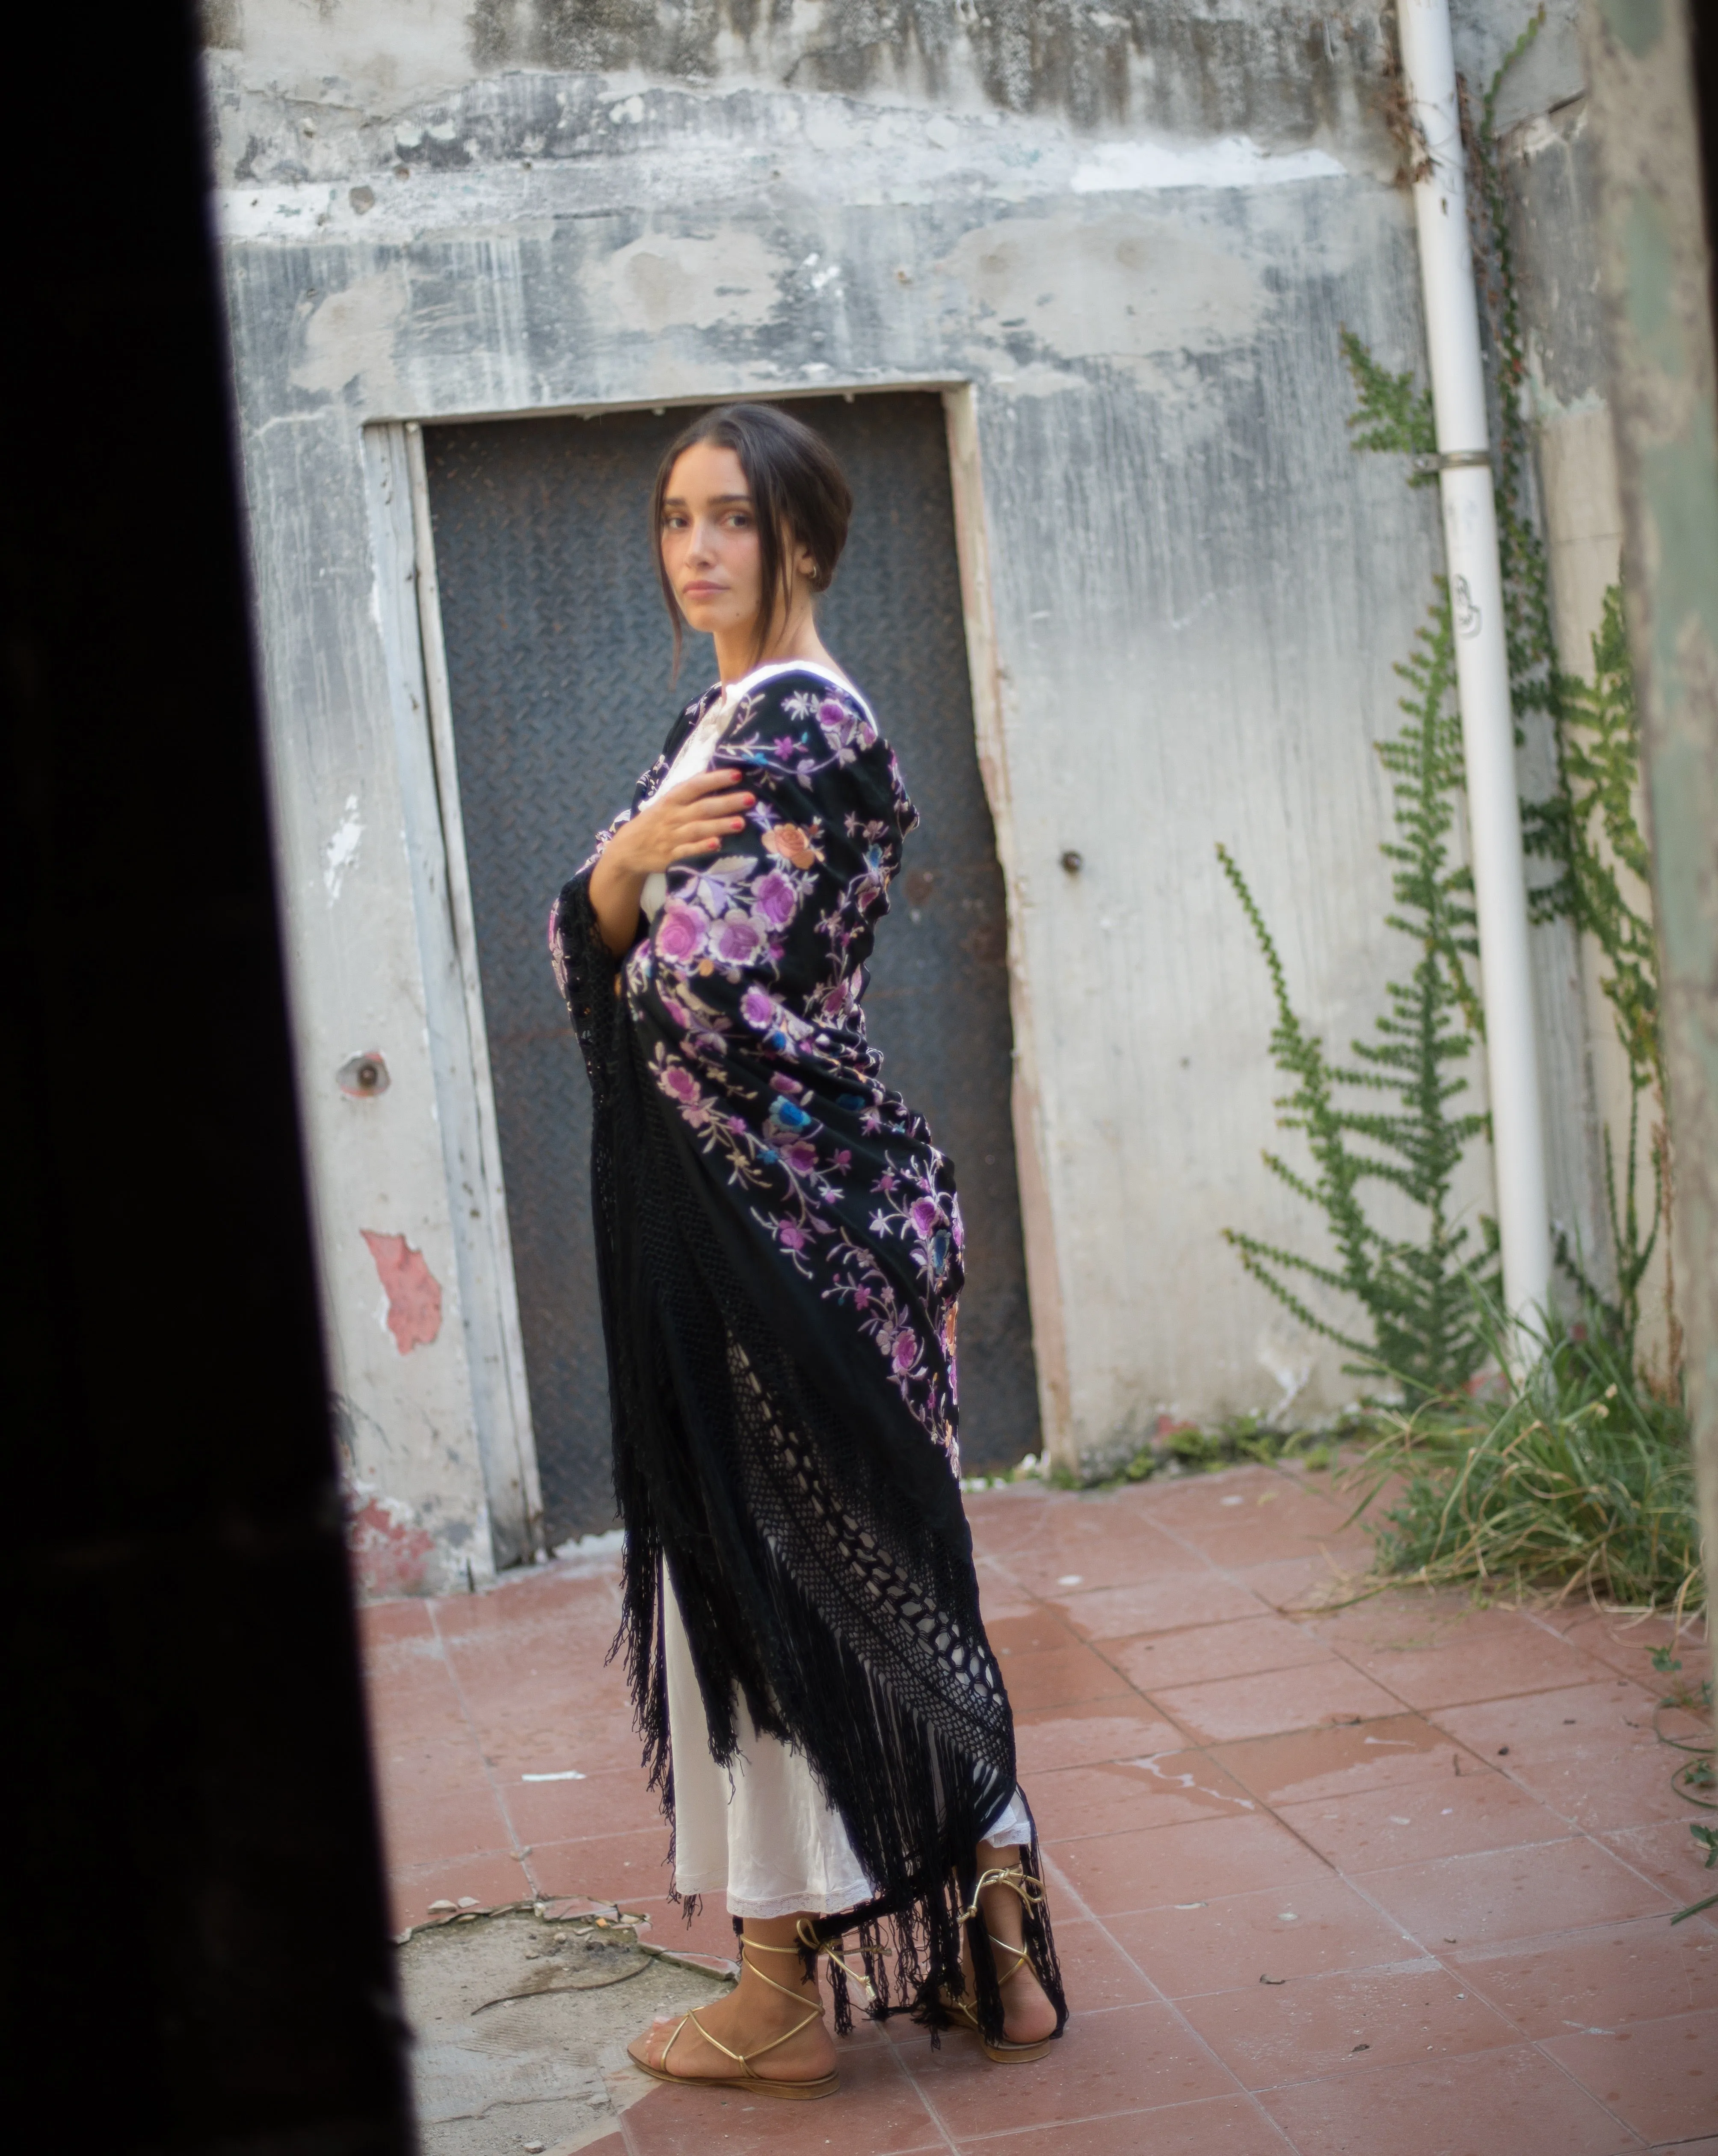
(812, 1532)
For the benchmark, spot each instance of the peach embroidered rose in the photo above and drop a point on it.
(792, 843)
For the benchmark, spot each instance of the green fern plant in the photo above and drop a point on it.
(1426, 1324)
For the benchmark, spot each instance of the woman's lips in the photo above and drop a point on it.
(705, 591)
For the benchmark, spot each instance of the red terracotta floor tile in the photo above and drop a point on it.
(1091, 1546)
(879, 2109)
(1153, 1790)
(1059, 1676)
(1342, 1759)
(1047, 1737)
(1127, 2059)
(1310, 1927)
(1207, 1652)
(1668, 1855)
(1626, 1643)
(1303, 2028)
(381, 1623)
(1156, 1605)
(1479, 1655)
(1600, 1980)
(1513, 1894)
(1326, 1692)
(1511, 2103)
(493, 1878)
(1253, 1517)
(1038, 1630)
(1000, 1596)
(1159, 1866)
(1589, 1751)
(613, 1867)
(710, 1930)
(1095, 1972)
(595, 1740)
(1660, 2077)
(1450, 1815)
(438, 1824)
(568, 1811)
(1308, 1585)
(1233, 2125)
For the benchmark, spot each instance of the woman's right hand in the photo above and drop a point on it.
(690, 819)
(693, 817)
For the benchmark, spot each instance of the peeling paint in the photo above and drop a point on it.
(1235, 162)
(349, 335)
(342, 850)
(392, 1554)
(674, 278)
(413, 1292)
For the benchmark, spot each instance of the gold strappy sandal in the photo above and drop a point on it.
(825, 2085)
(1031, 1895)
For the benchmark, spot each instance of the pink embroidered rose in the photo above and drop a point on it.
(793, 1236)
(905, 1352)
(679, 1083)
(801, 1156)
(680, 931)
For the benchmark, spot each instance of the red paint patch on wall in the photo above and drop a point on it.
(389, 1555)
(413, 1292)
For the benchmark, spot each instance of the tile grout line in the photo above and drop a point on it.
(1065, 1887)
(495, 1790)
(1334, 1869)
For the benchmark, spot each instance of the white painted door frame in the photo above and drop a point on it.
(459, 1042)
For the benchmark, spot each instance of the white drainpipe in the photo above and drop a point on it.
(1482, 661)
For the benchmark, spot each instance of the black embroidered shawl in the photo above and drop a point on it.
(780, 1250)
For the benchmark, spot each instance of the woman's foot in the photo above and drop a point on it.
(1027, 2016)
(781, 2034)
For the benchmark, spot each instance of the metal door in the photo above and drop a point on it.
(559, 655)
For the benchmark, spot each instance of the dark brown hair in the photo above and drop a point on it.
(800, 495)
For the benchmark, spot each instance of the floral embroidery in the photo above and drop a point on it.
(747, 988)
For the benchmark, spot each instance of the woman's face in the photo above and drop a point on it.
(710, 541)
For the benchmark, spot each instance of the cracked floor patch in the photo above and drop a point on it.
(521, 2024)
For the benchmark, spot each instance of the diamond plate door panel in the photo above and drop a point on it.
(558, 657)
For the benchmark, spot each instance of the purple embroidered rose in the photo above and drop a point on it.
(905, 1352)
(774, 897)
(738, 939)
(680, 931)
(801, 1156)
(792, 1234)
(923, 1213)
(756, 1008)
(679, 1083)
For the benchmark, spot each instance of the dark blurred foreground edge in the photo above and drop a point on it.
(195, 1953)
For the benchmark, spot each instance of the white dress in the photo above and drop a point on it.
(760, 1833)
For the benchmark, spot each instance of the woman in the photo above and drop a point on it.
(779, 1244)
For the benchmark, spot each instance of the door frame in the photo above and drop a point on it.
(411, 620)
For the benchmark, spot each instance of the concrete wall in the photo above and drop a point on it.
(1549, 162)
(1128, 236)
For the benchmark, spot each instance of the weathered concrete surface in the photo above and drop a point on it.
(1548, 161)
(1656, 279)
(1199, 590)
(521, 2023)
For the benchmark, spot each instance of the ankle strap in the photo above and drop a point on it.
(805, 1932)
(1014, 1876)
